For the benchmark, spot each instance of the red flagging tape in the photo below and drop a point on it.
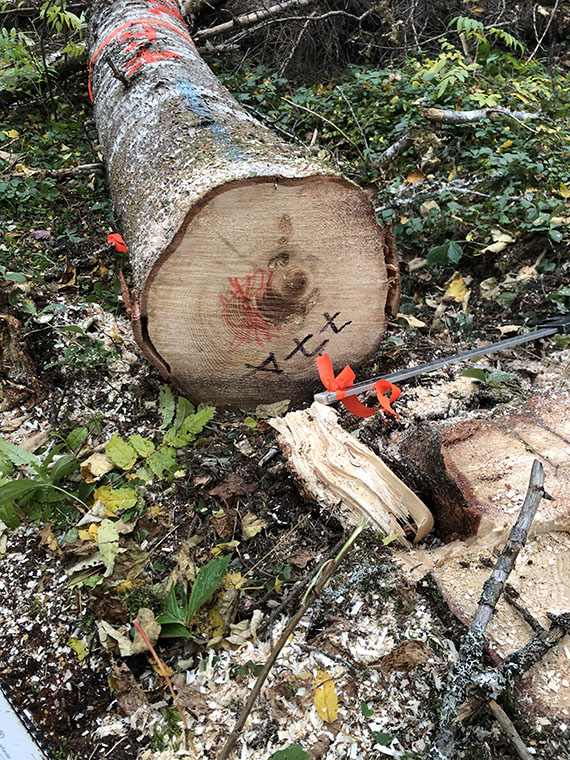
(345, 379)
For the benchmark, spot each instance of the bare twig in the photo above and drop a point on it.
(328, 121)
(401, 144)
(471, 650)
(349, 104)
(296, 44)
(510, 731)
(546, 28)
(164, 673)
(248, 19)
(327, 570)
(117, 73)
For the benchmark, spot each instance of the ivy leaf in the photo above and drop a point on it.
(382, 738)
(121, 452)
(165, 405)
(207, 581)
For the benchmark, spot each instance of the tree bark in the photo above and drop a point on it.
(248, 256)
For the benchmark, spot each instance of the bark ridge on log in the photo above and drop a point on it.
(248, 255)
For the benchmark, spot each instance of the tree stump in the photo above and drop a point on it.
(249, 257)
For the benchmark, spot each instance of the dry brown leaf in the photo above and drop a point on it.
(151, 628)
(416, 176)
(224, 522)
(405, 656)
(232, 486)
(48, 539)
(189, 696)
(68, 278)
(129, 695)
(301, 558)
(95, 466)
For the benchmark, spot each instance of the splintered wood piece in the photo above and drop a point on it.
(344, 476)
(249, 255)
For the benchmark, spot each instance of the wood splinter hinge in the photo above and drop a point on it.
(128, 299)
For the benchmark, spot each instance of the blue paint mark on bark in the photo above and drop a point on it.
(196, 104)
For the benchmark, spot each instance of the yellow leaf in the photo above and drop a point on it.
(78, 647)
(411, 320)
(456, 288)
(505, 145)
(84, 534)
(251, 525)
(95, 466)
(278, 586)
(13, 134)
(564, 190)
(326, 701)
(115, 499)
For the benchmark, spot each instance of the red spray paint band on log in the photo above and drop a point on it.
(345, 379)
(115, 239)
(142, 39)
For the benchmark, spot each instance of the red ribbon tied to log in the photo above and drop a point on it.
(345, 379)
(115, 239)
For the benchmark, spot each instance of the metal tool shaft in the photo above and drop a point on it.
(330, 397)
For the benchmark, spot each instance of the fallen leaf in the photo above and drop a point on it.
(493, 248)
(246, 629)
(251, 525)
(507, 329)
(78, 647)
(301, 558)
(108, 541)
(95, 466)
(411, 320)
(113, 640)
(232, 486)
(48, 539)
(501, 237)
(121, 452)
(429, 207)
(115, 499)
(129, 695)
(223, 522)
(326, 700)
(564, 190)
(277, 409)
(456, 288)
(416, 176)
(405, 656)
(13, 134)
(190, 696)
(69, 276)
(151, 628)
(526, 273)
(202, 480)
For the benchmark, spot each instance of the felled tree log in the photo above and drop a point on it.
(345, 477)
(248, 256)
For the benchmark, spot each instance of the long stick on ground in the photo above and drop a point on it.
(328, 569)
(471, 651)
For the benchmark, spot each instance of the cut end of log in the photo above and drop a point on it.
(263, 276)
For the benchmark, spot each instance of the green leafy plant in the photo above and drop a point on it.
(177, 618)
(489, 377)
(292, 752)
(40, 493)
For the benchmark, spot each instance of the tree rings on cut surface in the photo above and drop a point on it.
(262, 277)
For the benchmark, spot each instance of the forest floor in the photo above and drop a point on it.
(75, 385)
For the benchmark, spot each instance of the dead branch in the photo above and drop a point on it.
(327, 570)
(546, 28)
(471, 651)
(402, 144)
(447, 116)
(509, 730)
(248, 19)
(66, 171)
